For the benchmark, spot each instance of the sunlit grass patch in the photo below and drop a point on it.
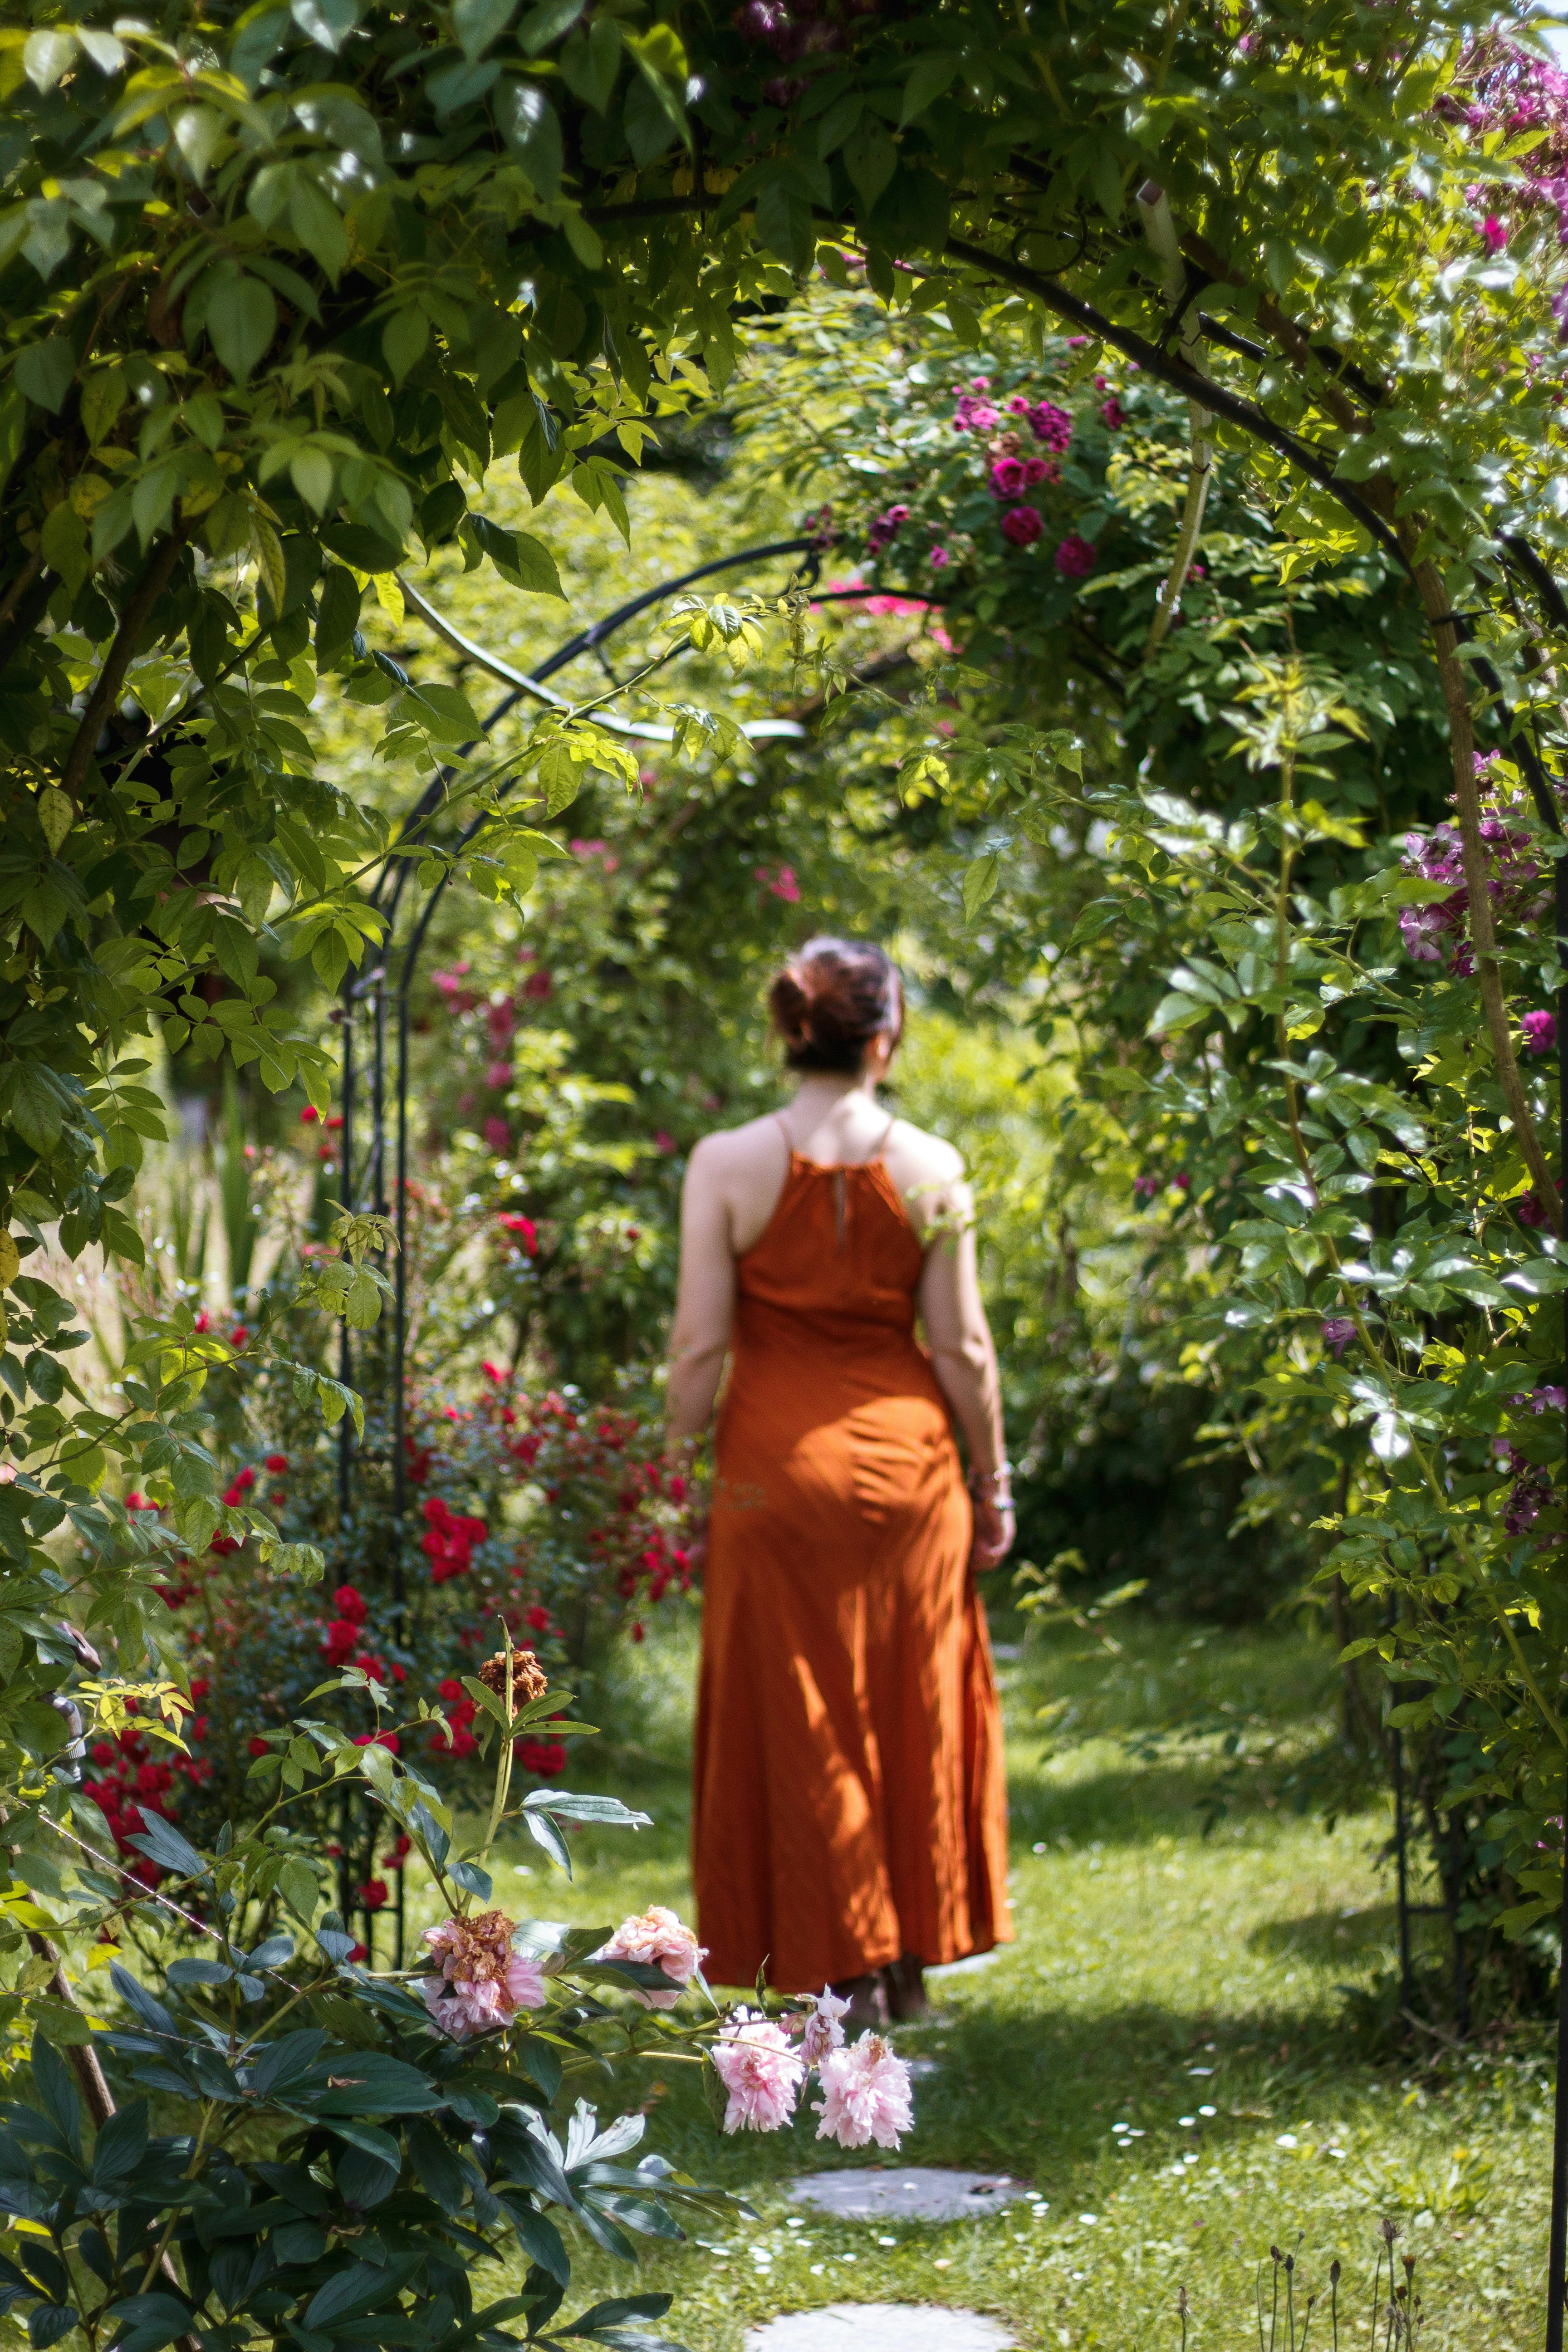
(1161, 2055)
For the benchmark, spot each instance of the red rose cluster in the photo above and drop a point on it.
(458, 1708)
(344, 1641)
(449, 1546)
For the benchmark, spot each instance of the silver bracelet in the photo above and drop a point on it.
(984, 1483)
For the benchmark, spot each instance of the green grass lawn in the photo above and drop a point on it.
(1158, 1973)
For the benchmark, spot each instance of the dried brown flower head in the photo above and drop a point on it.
(529, 1679)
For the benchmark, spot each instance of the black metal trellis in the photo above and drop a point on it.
(373, 1141)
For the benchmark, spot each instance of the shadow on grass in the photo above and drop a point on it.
(1125, 1805)
(1329, 1936)
(1037, 2096)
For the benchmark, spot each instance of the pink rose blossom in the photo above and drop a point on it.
(1050, 425)
(1540, 1032)
(866, 2095)
(483, 1982)
(1006, 477)
(823, 2031)
(759, 2070)
(1022, 525)
(939, 559)
(1493, 234)
(657, 1939)
(1075, 558)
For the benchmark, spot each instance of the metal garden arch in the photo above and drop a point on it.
(373, 1016)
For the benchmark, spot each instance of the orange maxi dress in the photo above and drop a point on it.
(849, 1805)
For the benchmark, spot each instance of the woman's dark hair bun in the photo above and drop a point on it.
(830, 1000)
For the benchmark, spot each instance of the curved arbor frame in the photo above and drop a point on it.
(374, 1016)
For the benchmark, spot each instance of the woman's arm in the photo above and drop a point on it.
(705, 1299)
(963, 1357)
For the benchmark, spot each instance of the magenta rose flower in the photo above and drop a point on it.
(1022, 525)
(1075, 558)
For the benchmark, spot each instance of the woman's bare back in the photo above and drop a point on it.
(746, 1167)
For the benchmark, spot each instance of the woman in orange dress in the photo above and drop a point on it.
(849, 1824)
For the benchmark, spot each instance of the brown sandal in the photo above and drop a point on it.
(904, 1983)
(868, 2002)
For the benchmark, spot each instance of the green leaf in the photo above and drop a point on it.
(532, 129)
(546, 24)
(65, 544)
(931, 76)
(35, 1108)
(337, 614)
(445, 712)
(870, 159)
(402, 339)
(317, 223)
(590, 62)
(103, 395)
(241, 320)
(520, 557)
(477, 23)
(45, 371)
(328, 23)
(980, 881)
(653, 115)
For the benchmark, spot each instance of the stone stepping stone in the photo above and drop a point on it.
(915, 2192)
(880, 2327)
(969, 1968)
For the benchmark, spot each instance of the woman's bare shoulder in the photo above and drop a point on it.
(929, 1158)
(730, 1150)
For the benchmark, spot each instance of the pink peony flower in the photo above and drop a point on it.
(1540, 1032)
(823, 2031)
(1075, 558)
(759, 2070)
(866, 2094)
(1022, 526)
(657, 1939)
(483, 1982)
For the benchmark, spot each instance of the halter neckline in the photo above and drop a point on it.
(836, 1167)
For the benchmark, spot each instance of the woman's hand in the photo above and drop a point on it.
(995, 1526)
